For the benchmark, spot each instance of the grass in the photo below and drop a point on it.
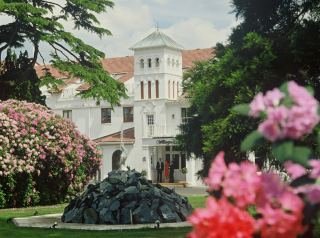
(7, 229)
(197, 201)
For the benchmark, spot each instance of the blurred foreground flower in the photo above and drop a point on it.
(221, 219)
(278, 209)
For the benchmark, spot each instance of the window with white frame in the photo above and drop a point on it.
(149, 63)
(150, 123)
(67, 114)
(184, 115)
(150, 119)
(127, 114)
(142, 63)
(105, 115)
(157, 62)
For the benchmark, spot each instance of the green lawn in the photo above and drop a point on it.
(8, 230)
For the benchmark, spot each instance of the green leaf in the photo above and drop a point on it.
(252, 139)
(301, 154)
(287, 151)
(242, 109)
(284, 88)
(283, 151)
(310, 90)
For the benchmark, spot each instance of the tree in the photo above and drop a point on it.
(19, 80)
(39, 22)
(275, 41)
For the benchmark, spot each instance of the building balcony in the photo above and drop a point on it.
(160, 131)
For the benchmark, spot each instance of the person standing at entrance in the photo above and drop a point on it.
(159, 168)
(171, 173)
(166, 169)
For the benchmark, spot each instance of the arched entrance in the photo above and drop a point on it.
(116, 160)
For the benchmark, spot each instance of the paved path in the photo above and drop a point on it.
(191, 191)
(47, 221)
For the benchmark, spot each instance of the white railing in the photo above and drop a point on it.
(161, 131)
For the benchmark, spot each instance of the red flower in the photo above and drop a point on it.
(220, 219)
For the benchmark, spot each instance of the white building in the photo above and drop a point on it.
(142, 129)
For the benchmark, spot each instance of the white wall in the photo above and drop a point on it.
(86, 114)
(194, 165)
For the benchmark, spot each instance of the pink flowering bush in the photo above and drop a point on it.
(294, 120)
(249, 203)
(287, 115)
(43, 158)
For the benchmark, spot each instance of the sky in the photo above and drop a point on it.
(192, 24)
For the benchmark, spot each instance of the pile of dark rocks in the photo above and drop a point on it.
(126, 197)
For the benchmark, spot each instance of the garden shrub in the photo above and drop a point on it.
(43, 157)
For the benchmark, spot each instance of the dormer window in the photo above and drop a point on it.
(157, 62)
(149, 63)
(142, 63)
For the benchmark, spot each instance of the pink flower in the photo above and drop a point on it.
(277, 223)
(301, 96)
(315, 171)
(311, 191)
(273, 97)
(216, 172)
(257, 105)
(241, 183)
(270, 130)
(280, 208)
(294, 170)
(221, 219)
(278, 114)
(282, 121)
(272, 127)
(301, 121)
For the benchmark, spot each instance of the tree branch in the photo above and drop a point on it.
(68, 51)
(58, 50)
(35, 54)
(43, 61)
(53, 3)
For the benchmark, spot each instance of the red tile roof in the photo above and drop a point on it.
(127, 137)
(189, 57)
(118, 64)
(122, 67)
(41, 71)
